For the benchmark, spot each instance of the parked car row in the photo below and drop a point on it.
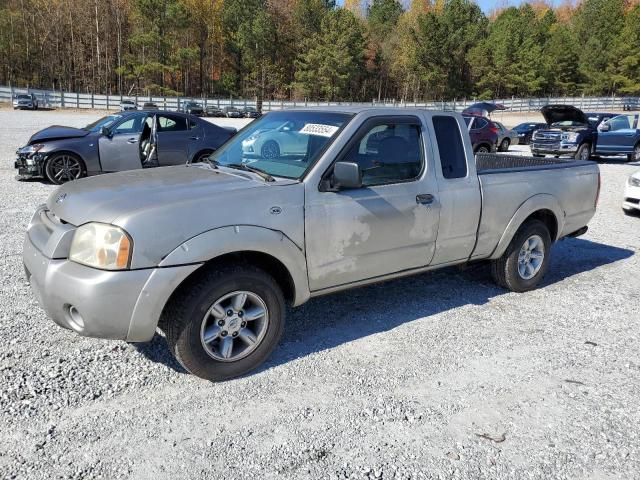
(123, 141)
(195, 108)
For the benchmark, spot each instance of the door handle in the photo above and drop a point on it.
(425, 199)
(194, 138)
(132, 140)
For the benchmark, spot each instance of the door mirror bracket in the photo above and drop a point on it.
(106, 132)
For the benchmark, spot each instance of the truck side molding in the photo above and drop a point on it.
(245, 238)
(537, 203)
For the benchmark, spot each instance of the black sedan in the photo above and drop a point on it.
(193, 108)
(525, 131)
(250, 112)
(122, 141)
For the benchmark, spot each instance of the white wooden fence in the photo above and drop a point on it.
(58, 99)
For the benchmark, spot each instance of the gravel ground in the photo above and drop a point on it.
(442, 375)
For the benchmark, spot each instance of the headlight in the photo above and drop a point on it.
(634, 182)
(30, 150)
(101, 246)
(570, 137)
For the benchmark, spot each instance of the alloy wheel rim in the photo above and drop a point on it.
(269, 150)
(234, 326)
(585, 154)
(531, 257)
(65, 168)
(636, 153)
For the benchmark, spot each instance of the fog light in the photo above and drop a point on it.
(76, 321)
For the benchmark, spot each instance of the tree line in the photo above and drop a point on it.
(316, 49)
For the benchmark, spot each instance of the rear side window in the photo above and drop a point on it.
(479, 123)
(171, 123)
(452, 156)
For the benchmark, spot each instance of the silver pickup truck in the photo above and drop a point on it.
(300, 203)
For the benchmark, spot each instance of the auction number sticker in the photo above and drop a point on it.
(319, 129)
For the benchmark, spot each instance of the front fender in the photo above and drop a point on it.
(533, 204)
(245, 238)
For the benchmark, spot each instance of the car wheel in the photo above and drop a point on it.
(202, 156)
(270, 149)
(635, 156)
(504, 145)
(526, 260)
(226, 322)
(584, 152)
(64, 167)
(482, 149)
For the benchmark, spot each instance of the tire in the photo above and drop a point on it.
(510, 271)
(270, 149)
(538, 155)
(584, 152)
(200, 156)
(635, 156)
(527, 140)
(483, 149)
(188, 321)
(64, 167)
(504, 145)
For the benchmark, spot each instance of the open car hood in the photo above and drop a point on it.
(563, 113)
(57, 132)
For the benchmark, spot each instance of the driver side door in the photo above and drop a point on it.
(121, 150)
(621, 136)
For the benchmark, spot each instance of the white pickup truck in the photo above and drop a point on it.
(211, 254)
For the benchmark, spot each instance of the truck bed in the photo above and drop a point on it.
(487, 163)
(508, 181)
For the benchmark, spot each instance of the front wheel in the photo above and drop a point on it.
(523, 265)
(226, 323)
(584, 152)
(635, 156)
(64, 167)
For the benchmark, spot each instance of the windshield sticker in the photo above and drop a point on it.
(319, 129)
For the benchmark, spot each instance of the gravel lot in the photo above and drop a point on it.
(442, 375)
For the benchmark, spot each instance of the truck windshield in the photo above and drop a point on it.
(282, 144)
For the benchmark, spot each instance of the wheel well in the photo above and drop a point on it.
(264, 261)
(201, 152)
(482, 144)
(548, 218)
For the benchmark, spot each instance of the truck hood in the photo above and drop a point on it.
(57, 132)
(106, 198)
(563, 113)
(161, 208)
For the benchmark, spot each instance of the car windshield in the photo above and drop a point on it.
(128, 102)
(103, 122)
(567, 123)
(24, 97)
(282, 144)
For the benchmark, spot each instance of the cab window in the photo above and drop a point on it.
(387, 153)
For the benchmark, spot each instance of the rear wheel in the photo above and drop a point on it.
(584, 152)
(202, 156)
(635, 156)
(226, 323)
(504, 145)
(538, 155)
(483, 149)
(64, 167)
(526, 260)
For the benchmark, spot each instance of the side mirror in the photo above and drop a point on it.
(347, 175)
(106, 132)
(605, 127)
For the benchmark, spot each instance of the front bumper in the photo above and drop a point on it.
(123, 305)
(29, 167)
(631, 198)
(554, 148)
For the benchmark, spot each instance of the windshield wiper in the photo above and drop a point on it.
(258, 171)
